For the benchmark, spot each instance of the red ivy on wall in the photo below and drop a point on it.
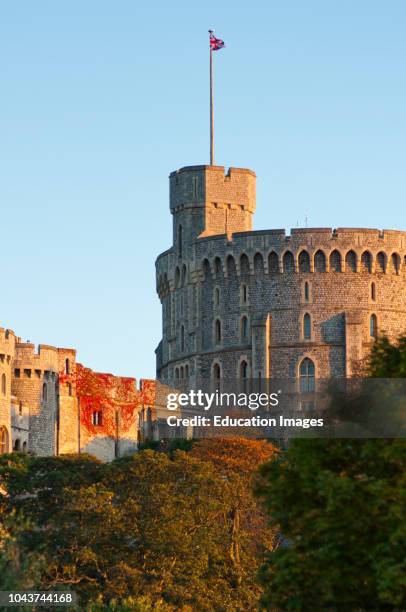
(115, 397)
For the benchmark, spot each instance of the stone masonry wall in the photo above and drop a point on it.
(34, 382)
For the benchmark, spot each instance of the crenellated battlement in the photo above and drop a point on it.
(44, 359)
(7, 342)
(303, 250)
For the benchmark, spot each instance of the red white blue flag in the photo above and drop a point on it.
(216, 43)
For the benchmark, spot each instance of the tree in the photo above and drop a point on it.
(247, 532)
(144, 532)
(20, 568)
(340, 505)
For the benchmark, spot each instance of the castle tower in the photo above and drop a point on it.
(261, 304)
(204, 201)
(7, 344)
(68, 437)
(35, 383)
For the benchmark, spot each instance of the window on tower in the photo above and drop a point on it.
(180, 241)
(307, 375)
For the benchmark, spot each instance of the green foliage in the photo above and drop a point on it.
(20, 568)
(146, 532)
(340, 505)
(181, 444)
(388, 360)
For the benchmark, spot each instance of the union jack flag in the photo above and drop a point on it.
(216, 43)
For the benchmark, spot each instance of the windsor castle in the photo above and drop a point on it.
(237, 304)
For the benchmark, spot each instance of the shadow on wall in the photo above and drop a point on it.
(332, 330)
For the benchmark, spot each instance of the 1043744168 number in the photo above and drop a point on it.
(43, 598)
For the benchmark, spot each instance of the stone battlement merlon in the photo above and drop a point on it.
(222, 169)
(7, 341)
(45, 358)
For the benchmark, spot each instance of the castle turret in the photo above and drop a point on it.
(205, 201)
(7, 344)
(34, 383)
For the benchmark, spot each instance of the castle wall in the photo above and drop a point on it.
(108, 413)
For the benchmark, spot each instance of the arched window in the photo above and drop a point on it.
(288, 262)
(366, 261)
(24, 447)
(182, 372)
(184, 273)
(273, 263)
(182, 338)
(244, 328)
(206, 269)
(307, 326)
(319, 261)
(244, 293)
(3, 384)
(244, 375)
(307, 375)
(381, 262)
(306, 292)
(177, 278)
(231, 267)
(217, 331)
(216, 296)
(3, 440)
(44, 392)
(304, 261)
(218, 267)
(180, 241)
(335, 261)
(244, 265)
(373, 292)
(67, 366)
(216, 376)
(258, 264)
(373, 326)
(395, 259)
(17, 445)
(97, 418)
(351, 261)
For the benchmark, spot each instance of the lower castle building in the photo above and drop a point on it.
(51, 405)
(238, 303)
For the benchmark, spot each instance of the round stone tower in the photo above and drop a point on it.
(239, 303)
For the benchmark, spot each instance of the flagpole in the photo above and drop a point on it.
(211, 105)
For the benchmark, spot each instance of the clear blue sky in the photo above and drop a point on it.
(101, 100)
